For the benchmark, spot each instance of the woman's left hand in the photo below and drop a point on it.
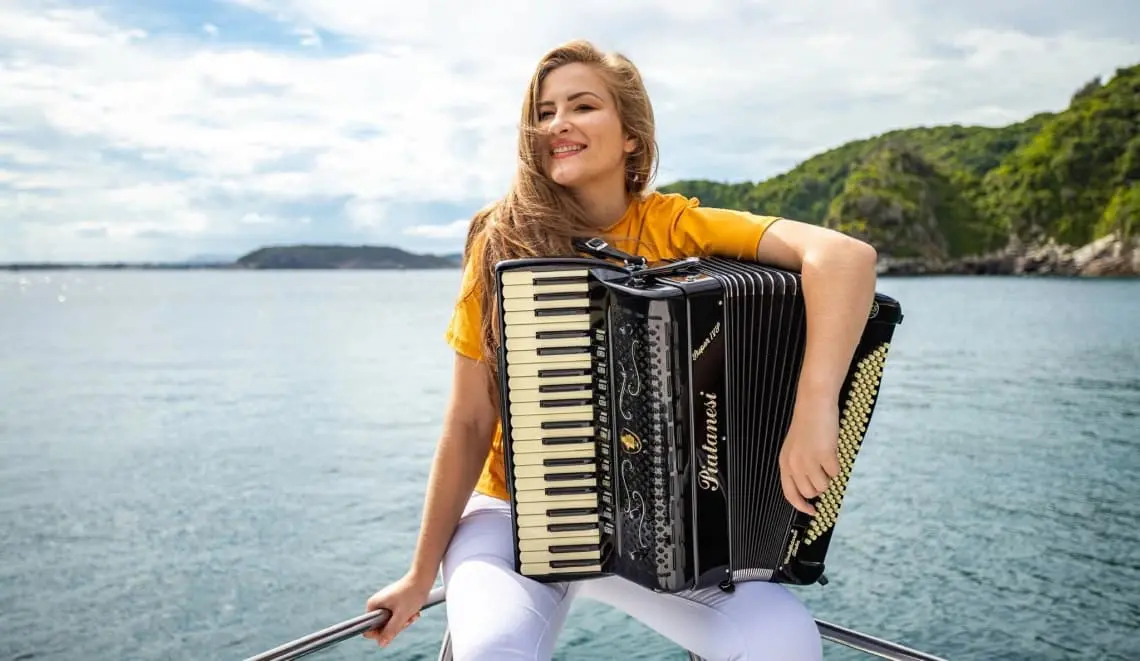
(809, 458)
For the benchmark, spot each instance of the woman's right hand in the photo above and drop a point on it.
(403, 599)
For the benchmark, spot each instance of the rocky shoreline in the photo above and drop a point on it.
(1106, 257)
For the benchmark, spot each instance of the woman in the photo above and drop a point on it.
(586, 154)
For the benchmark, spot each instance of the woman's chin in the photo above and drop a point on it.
(565, 177)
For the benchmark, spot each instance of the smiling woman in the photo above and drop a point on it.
(576, 112)
(586, 153)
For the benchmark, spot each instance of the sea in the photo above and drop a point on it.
(203, 465)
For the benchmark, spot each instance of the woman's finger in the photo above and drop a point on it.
(792, 493)
(831, 463)
(395, 624)
(817, 479)
(803, 483)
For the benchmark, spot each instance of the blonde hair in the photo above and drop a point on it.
(537, 217)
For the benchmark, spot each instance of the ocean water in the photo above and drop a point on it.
(203, 465)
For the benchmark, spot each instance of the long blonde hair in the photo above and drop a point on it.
(538, 217)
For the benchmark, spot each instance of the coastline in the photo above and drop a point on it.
(1105, 257)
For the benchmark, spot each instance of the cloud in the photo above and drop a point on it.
(456, 229)
(130, 133)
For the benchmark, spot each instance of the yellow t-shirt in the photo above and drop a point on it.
(658, 226)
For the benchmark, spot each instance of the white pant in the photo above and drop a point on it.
(496, 614)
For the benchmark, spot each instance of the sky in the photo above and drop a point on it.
(158, 130)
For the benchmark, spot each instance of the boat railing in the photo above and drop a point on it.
(329, 636)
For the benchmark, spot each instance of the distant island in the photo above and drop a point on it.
(286, 257)
(342, 257)
(1055, 194)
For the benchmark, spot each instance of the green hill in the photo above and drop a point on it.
(954, 192)
(1078, 178)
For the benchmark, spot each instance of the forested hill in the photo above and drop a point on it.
(949, 192)
(342, 257)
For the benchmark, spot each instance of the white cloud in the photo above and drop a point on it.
(456, 229)
(372, 121)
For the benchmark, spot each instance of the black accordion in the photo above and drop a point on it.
(643, 410)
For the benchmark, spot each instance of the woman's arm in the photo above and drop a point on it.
(468, 426)
(838, 275)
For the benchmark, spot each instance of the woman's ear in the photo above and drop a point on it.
(630, 145)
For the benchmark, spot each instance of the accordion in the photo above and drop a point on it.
(643, 410)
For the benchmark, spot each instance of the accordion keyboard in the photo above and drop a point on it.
(547, 368)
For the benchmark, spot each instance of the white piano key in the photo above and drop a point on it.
(532, 317)
(525, 343)
(525, 437)
(576, 323)
(552, 500)
(554, 536)
(588, 537)
(541, 508)
(530, 291)
(542, 520)
(520, 304)
(539, 569)
(542, 569)
(534, 382)
(546, 360)
(547, 557)
(573, 362)
(536, 395)
(534, 410)
(536, 420)
(529, 276)
(541, 483)
(538, 469)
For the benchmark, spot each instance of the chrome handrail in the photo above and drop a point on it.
(884, 649)
(329, 636)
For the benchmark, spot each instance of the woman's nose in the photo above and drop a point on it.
(558, 124)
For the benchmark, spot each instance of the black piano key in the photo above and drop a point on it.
(555, 403)
(561, 351)
(559, 279)
(567, 440)
(569, 491)
(556, 372)
(571, 511)
(568, 527)
(564, 387)
(559, 295)
(561, 312)
(567, 461)
(563, 564)
(572, 548)
(566, 477)
(560, 334)
(566, 424)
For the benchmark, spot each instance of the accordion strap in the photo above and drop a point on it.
(597, 247)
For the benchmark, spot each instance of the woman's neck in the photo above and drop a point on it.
(605, 205)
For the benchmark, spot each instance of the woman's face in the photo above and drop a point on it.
(582, 142)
